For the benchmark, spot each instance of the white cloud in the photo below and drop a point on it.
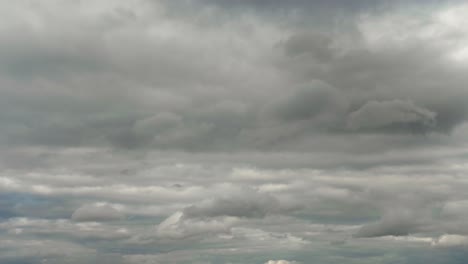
(451, 241)
(177, 226)
(280, 262)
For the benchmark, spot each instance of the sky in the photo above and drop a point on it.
(233, 132)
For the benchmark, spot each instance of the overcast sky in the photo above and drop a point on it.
(233, 132)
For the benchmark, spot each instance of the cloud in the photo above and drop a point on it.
(450, 241)
(317, 45)
(308, 79)
(244, 203)
(89, 231)
(455, 208)
(177, 226)
(317, 100)
(220, 214)
(399, 222)
(375, 114)
(36, 250)
(96, 213)
(257, 129)
(280, 262)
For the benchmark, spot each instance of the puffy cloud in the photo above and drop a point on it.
(96, 213)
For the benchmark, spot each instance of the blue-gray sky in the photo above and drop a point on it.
(203, 131)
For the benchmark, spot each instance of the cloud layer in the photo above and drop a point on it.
(278, 132)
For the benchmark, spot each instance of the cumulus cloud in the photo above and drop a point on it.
(96, 213)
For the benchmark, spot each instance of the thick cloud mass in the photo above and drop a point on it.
(153, 75)
(201, 131)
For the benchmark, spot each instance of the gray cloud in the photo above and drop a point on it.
(245, 204)
(317, 45)
(308, 74)
(220, 214)
(310, 80)
(390, 226)
(96, 213)
(316, 101)
(374, 115)
(233, 131)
